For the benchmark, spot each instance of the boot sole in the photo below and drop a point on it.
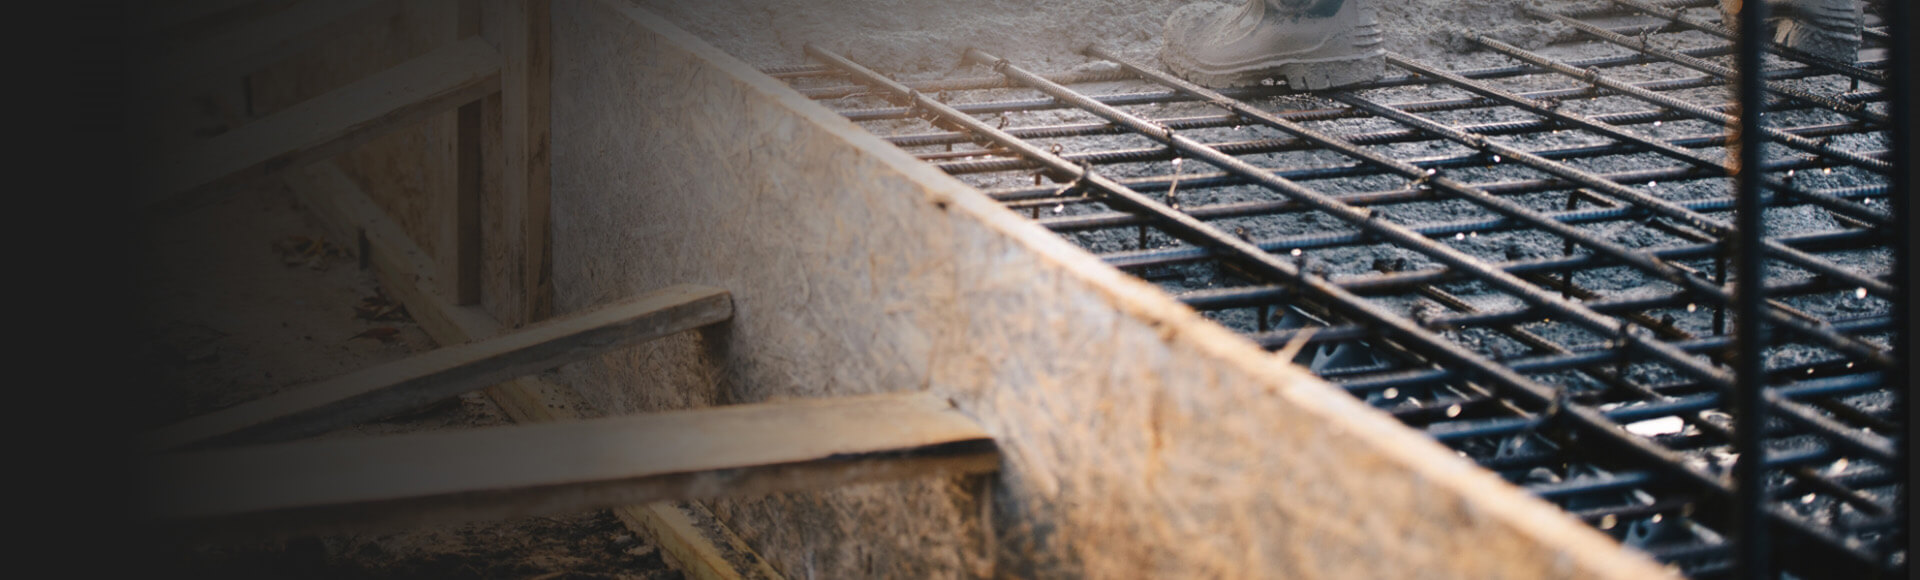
(1313, 75)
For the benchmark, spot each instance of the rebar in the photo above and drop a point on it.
(1560, 226)
(1674, 15)
(1751, 537)
(1534, 366)
(1592, 76)
(1702, 65)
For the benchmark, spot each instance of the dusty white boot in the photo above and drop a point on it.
(1826, 28)
(1313, 44)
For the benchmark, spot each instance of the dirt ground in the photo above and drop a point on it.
(244, 298)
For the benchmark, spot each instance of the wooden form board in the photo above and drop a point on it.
(486, 229)
(411, 172)
(703, 546)
(518, 268)
(1139, 438)
(431, 376)
(355, 484)
(324, 126)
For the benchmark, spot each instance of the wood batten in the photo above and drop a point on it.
(708, 549)
(526, 95)
(492, 79)
(352, 484)
(324, 126)
(431, 376)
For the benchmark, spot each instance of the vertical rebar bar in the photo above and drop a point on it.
(1752, 560)
(1906, 185)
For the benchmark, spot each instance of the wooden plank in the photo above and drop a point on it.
(431, 376)
(705, 548)
(252, 46)
(408, 170)
(324, 126)
(404, 268)
(405, 271)
(351, 484)
(526, 94)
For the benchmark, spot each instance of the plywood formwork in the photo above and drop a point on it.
(1140, 439)
(401, 170)
(416, 182)
(415, 173)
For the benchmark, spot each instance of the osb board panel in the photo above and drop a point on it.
(1141, 439)
(404, 171)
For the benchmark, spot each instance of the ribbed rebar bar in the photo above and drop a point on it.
(1489, 394)
(1593, 77)
(1663, 85)
(1518, 213)
(1751, 534)
(1598, 431)
(1675, 16)
(1643, 45)
(1637, 197)
(1905, 109)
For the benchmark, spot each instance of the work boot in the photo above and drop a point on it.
(1313, 44)
(1828, 29)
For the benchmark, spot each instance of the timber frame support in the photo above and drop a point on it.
(486, 274)
(1130, 435)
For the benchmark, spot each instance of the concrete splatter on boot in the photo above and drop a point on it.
(1313, 44)
(1826, 28)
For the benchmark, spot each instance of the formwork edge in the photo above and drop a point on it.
(1487, 506)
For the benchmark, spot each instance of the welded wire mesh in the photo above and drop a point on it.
(1528, 261)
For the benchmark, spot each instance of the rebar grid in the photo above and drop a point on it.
(1539, 284)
